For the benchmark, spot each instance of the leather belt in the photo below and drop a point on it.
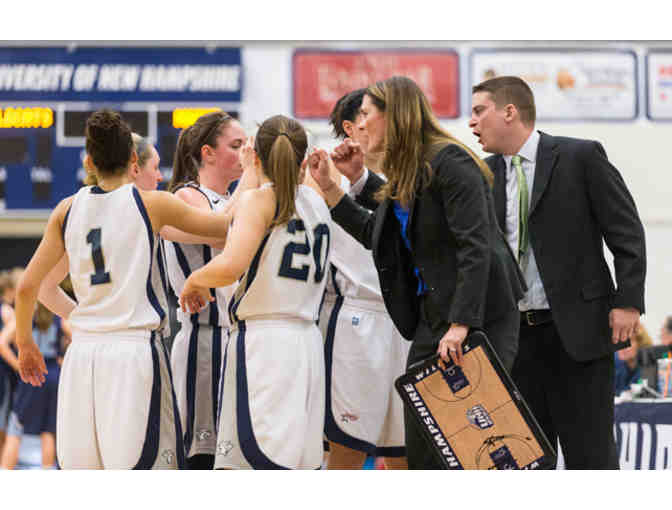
(536, 317)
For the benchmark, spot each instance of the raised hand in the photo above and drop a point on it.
(349, 159)
(248, 156)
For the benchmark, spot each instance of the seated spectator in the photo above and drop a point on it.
(666, 332)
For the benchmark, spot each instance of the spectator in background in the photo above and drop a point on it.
(666, 332)
(8, 281)
(34, 407)
(628, 367)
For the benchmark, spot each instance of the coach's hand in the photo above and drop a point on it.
(318, 164)
(349, 160)
(451, 343)
(32, 368)
(623, 323)
(194, 298)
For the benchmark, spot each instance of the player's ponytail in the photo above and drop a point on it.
(185, 166)
(281, 145)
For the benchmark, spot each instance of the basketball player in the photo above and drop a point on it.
(7, 377)
(207, 160)
(34, 409)
(272, 403)
(364, 351)
(116, 404)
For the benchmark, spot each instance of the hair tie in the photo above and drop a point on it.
(285, 134)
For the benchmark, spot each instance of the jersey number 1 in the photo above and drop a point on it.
(100, 276)
(287, 269)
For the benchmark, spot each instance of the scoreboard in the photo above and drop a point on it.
(46, 95)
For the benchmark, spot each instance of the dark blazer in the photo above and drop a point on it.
(471, 275)
(579, 199)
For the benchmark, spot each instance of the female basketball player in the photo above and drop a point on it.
(116, 404)
(363, 348)
(34, 409)
(8, 281)
(207, 161)
(146, 175)
(272, 403)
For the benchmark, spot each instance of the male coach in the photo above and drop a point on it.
(557, 199)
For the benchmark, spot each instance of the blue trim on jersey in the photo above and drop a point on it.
(248, 443)
(150, 448)
(390, 451)
(150, 234)
(192, 358)
(216, 369)
(159, 257)
(179, 439)
(214, 309)
(97, 190)
(182, 260)
(221, 387)
(251, 274)
(333, 280)
(331, 428)
(65, 222)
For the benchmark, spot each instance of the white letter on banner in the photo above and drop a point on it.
(85, 77)
(628, 445)
(646, 446)
(66, 75)
(664, 449)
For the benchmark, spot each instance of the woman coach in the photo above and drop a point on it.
(443, 263)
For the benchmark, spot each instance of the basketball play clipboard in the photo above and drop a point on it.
(473, 415)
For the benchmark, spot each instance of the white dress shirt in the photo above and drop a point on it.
(535, 297)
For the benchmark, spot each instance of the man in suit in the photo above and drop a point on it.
(557, 199)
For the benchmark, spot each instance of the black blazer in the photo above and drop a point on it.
(457, 246)
(579, 199)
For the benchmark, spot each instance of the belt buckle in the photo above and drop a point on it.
(529, 314)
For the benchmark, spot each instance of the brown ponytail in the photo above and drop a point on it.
(281, 145)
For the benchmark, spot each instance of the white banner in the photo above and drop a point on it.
(660, 86)
(568, 85)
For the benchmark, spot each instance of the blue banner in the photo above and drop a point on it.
(643, 432)
(116, 74)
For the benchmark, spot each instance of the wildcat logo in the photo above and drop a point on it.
(203, 435)
(168, 456)
(479, 417)
(224, 448)
(347, 417)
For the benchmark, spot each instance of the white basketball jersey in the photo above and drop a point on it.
(113, 262)
(355, 274)
(182, 259)
(289, 271)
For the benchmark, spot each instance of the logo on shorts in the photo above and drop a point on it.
(347, 417)
(479, 417)
(168, 456)
(355, 321)
(203, 435)
(224, 448)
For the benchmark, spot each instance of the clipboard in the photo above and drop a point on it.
(473, 415)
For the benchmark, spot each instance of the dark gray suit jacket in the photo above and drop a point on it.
(578, 200)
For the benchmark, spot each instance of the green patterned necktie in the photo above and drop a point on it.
(523, 205)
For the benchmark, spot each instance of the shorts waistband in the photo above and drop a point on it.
(272, 322)
(129, 335)
(367, 304)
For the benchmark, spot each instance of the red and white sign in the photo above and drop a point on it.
(322, 77)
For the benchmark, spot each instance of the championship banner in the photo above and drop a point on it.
(643, 432)
(472, 414)
(568, 85)
(322, 77)
(659, 85)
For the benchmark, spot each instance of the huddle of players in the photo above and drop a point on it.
(244, 386)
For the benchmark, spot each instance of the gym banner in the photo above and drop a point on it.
(573, 84)
(659, 85)
(120, 74)
(643, 432)
(321, 77)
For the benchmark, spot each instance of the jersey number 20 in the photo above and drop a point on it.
(287, 268)
(100, 276)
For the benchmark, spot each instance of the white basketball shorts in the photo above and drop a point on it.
(272, 405)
